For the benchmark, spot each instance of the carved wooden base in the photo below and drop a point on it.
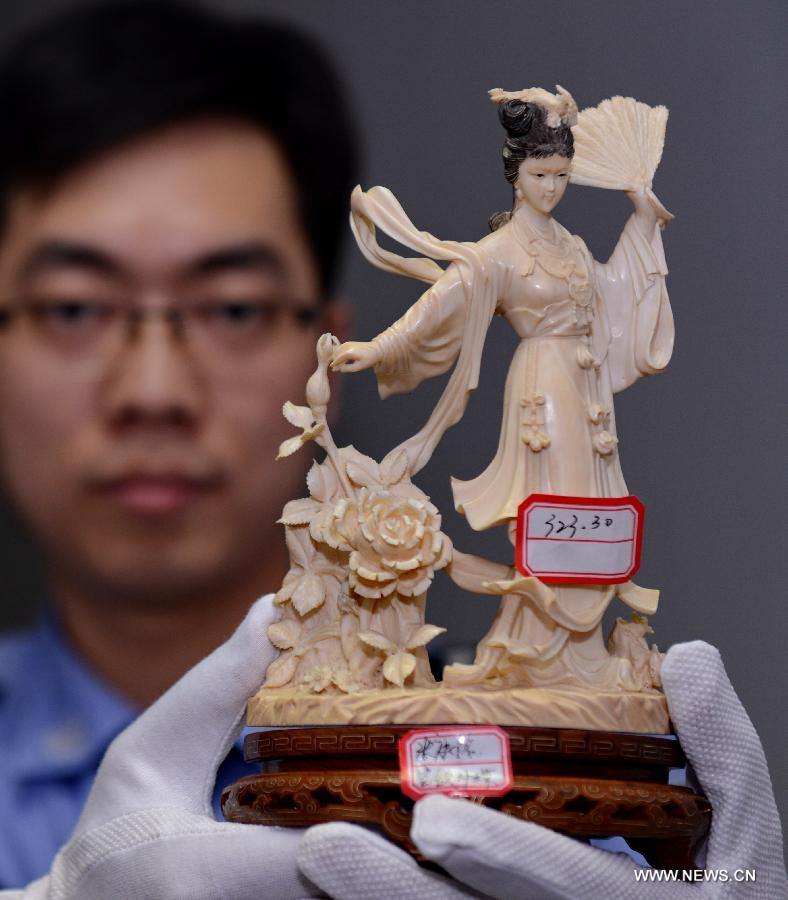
(582, 783)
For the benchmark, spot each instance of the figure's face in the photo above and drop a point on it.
(541, 182)
(151, 467)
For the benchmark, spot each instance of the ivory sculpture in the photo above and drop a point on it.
(366, 544)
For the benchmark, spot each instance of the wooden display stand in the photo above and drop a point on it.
(587, 784)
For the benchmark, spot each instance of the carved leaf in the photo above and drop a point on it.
(309, 594)
(393, 468)
(286, 591)
(423, 635)
(280, 671)
(289, 447)
(377, 640)
(283, 634)
(314, 481)
(322, 482)
(398, 667)
(300, 546)
(363, 470)
(300, 416)
(299, 512)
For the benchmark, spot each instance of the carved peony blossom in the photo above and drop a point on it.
(395, 542)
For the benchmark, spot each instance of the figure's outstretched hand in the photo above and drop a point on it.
(148, 831)
(355, 356)
(645, 212)
(503, 857)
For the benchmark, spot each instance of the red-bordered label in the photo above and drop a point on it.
(579, 540)
(465, 761)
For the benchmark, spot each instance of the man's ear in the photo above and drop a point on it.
(338, 318)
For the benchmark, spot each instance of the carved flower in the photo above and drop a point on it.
(395, 542)
(322, 677)
(605, 443)
(323, 528)
(400, 662)
(317, 679)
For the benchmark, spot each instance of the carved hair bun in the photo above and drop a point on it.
(518, 117)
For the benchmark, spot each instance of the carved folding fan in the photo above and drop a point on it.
(618, 145)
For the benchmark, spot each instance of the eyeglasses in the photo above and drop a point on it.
(226, 330)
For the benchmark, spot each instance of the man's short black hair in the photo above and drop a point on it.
(98, 76)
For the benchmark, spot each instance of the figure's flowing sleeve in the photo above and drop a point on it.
(631, 285)
(446, 325)
(426, 340)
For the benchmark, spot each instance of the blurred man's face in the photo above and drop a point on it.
(142, 452)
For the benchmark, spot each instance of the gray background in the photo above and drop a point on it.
(704, 444)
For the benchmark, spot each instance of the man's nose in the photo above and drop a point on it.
(152, 381)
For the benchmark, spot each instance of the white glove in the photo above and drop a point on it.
(148, 831)
(507, 858)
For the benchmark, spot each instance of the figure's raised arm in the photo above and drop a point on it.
(631, 285)
(645, 214)
(423, 343)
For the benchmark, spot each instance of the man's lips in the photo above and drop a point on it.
(156, 494)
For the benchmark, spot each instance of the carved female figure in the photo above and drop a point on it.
(587, 330)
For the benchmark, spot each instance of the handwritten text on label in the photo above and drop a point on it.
(579, 539)
(470, 760)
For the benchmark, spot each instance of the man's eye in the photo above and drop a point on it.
(70, 313)
(539, 175)
(239, 312)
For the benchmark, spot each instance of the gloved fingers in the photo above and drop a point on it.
(169, 855)
(514, 860)
(170, 755)
(36, 890)
(726, 754)
(353, 863)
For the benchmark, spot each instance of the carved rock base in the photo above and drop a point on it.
(582, 783)
(545, 707)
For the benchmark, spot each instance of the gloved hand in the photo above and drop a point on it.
(148, 831)
(504, 857)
